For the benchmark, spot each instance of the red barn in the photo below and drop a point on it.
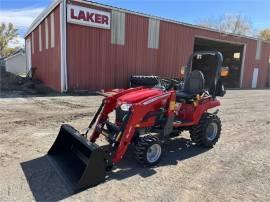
(81, 45)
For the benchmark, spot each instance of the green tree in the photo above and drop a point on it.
(235, 24)
(7, 33)
(265, 34)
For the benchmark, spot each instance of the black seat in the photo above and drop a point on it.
(194, 84)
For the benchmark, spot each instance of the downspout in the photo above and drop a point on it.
(63, 44)
(243, 66)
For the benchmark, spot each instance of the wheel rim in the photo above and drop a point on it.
(211, 131)
(153, 153)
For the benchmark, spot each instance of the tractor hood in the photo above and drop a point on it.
(139, 95)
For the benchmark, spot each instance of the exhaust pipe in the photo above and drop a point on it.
(81, 164)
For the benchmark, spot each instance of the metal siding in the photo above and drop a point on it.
(94, 63)
(47, 61)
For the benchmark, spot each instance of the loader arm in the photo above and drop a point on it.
(109, 105)
(137, 113)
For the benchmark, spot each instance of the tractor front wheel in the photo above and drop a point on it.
(207, 132)
(148, 150)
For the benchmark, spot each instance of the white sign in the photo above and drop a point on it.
(88, 17)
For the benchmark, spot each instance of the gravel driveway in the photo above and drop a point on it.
(236, 169)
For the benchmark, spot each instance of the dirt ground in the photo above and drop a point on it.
(237, 168)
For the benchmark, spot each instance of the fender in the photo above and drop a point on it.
(206, 105)
(202, 107)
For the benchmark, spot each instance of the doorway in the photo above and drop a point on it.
(232, 58)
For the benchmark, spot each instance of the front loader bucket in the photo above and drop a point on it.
(79, 162)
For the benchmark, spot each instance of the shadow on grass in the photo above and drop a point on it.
(47, 185)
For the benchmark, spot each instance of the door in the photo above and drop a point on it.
(255, 77)
(28, 56)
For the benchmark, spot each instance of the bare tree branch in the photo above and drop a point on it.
(235, 24)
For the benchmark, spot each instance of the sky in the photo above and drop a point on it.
(23, 12)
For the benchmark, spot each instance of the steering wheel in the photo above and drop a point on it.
(170, 84)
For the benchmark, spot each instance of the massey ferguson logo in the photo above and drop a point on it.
(88, 17)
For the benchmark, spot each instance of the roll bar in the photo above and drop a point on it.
(219, 57)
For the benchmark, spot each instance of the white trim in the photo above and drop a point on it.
(39, 38)
(64, 86)
(28, 50)
(32, 42)
(42, 16)
(12, 56)
(162, 19)
(258, 49)
(46, 34)
(52, 30)
(243, 66)
(118, 28)
(255, 76)
(153, 33)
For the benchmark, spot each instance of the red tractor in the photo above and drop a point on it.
(145, 117)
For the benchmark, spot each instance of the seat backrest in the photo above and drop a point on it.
(194, 82)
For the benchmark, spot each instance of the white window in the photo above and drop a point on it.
(153, 33)
(118, 28)
(236, 55)
(33, 39)
(46, 34)
(258, 49)
(52, 31)
(39, 38)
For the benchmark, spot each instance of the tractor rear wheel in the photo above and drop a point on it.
(207, 132)
(148, 150)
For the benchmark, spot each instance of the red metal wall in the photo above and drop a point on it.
(47, 61)
(179, 39)
(94, 63)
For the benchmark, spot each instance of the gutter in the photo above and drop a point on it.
(63, 46)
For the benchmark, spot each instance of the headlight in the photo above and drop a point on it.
(125, 107)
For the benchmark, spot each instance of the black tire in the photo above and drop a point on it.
(141, 80)
(199, 133)
(142, 146)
